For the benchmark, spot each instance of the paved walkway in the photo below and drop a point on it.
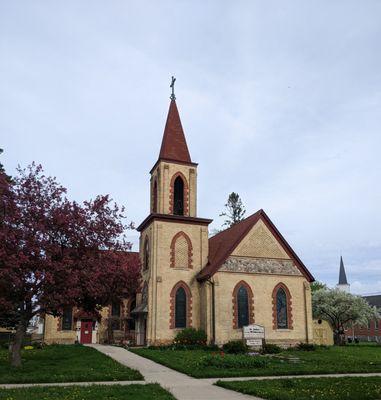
(182, 386)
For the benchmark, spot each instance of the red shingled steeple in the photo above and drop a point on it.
(174, 146)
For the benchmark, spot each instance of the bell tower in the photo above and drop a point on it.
(174, 175)
(173, 240)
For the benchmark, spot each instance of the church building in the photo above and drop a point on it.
(243, 275)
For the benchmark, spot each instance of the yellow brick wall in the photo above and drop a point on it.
(161, 277)
(260, 242)
(262, 287)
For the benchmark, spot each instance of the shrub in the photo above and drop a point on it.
(235, 347)
(191, 336)
(306, 347)
(269, 348)
(223, 361)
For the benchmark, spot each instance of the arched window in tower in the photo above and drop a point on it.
(181, 251)
(180, 308)
(154, 205)
(178, 196)
(243, 307)
(146, 254)
(281, 309)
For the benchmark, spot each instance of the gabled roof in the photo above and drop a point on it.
(374, 300)
(174, 146)
(342, 274)
(224, 243)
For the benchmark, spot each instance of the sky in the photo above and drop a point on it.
(280, 101)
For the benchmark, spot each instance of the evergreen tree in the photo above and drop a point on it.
(234, 210)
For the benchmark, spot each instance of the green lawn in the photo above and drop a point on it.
(321, 361)
(95, 392)
(64, 363)
(355, 388)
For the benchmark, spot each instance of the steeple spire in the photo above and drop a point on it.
(174, 146)
(343, 283)
(342, 274)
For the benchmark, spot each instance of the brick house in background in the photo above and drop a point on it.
(371, 332)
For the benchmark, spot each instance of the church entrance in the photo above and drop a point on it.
(86, 331)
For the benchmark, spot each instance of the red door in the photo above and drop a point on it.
(86, 330)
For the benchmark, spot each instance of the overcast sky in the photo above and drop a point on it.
(280, 101)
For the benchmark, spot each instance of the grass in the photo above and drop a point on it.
(353, 388)
(345, 359)
(64, 363)
(94, 392)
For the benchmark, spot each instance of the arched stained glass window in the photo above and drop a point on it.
(180, 308)
(243, 307)
(178, 196)
(281, 309)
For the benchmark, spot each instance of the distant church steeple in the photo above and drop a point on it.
(343, 283)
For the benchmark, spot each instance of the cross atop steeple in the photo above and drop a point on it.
(172, 85)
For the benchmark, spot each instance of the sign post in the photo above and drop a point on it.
(254, 335)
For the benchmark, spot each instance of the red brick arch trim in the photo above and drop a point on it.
(172, 304)
(235, 303)
(171, 193)
(190, 249)
(289, 306)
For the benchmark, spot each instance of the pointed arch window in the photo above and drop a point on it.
(154, 205)
(146, 254)
(282, 307)
(243, 306)
(178, 196)
(180, 308)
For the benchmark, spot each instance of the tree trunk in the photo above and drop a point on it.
(16, 344)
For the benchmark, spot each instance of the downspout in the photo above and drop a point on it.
(211, 281)
(306, 312)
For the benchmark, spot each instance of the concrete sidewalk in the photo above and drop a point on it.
(182, 386)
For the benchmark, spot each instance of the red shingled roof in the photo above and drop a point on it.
(174, 146)
(223, 244)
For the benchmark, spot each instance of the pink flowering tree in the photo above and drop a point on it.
(55, 252)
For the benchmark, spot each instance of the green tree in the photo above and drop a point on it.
(341, 308)
(234, 210)
(317, 286)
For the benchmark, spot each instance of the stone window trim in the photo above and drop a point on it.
(235, 303)
(173, 246)
(188, 292)
(171, 192)
(281, 285)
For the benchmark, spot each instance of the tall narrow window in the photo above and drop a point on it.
(178, 196)
(281, 309)
(131, 319)
(180, 308)
(154, 206)
(146, 254)
(67, 319)
(243, 307)
(115, 315)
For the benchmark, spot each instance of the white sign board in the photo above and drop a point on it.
(254, 342)
(254, 332)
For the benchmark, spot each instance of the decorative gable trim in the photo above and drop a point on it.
(173, 249)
